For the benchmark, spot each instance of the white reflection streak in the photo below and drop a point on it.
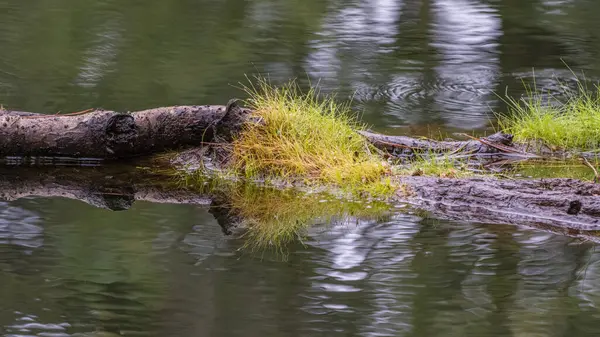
(374, 259)
(545, 268)
(20, 227)
(391, 280)
(100, 57)
(466, 34)
(349, 41)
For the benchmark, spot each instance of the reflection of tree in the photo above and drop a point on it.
(527, 43)
(67, 55)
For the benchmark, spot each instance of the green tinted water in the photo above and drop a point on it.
(416, 66)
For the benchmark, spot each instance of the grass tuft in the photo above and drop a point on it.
(306, 138)
(570, 123)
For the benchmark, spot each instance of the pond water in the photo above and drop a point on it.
(409, 66)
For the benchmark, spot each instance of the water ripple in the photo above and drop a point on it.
(19, 227)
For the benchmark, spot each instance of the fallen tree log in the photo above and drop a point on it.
(497, 144)
(392, 143)
(550, 203)
(112, 135)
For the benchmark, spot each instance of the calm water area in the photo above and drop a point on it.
(408, 66)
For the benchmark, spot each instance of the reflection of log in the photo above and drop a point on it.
(111, 188)
(108, 134)
(562, 206)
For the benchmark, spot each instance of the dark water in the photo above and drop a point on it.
(415, 66)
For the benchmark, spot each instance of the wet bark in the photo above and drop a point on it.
(567, 206)
(403, 145)
(114, 135)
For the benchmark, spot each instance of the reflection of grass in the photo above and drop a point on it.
(570, 124)
(306, 139)
(442, 165)
(276, 218)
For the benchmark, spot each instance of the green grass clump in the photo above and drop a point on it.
(572, 123)
(302, 137)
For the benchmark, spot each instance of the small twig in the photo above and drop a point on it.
(460, 149)
(368, 150)
(79, 112)
(587, 163)
(58, 115)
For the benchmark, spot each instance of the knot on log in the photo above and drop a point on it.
(120, 133)
(574, 207)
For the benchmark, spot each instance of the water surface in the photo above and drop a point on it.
(411, 66)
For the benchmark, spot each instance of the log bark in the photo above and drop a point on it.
(112, 135)
(409, 144)
(567, 206)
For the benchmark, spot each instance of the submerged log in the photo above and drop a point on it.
(110, 134)
(567, 206)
